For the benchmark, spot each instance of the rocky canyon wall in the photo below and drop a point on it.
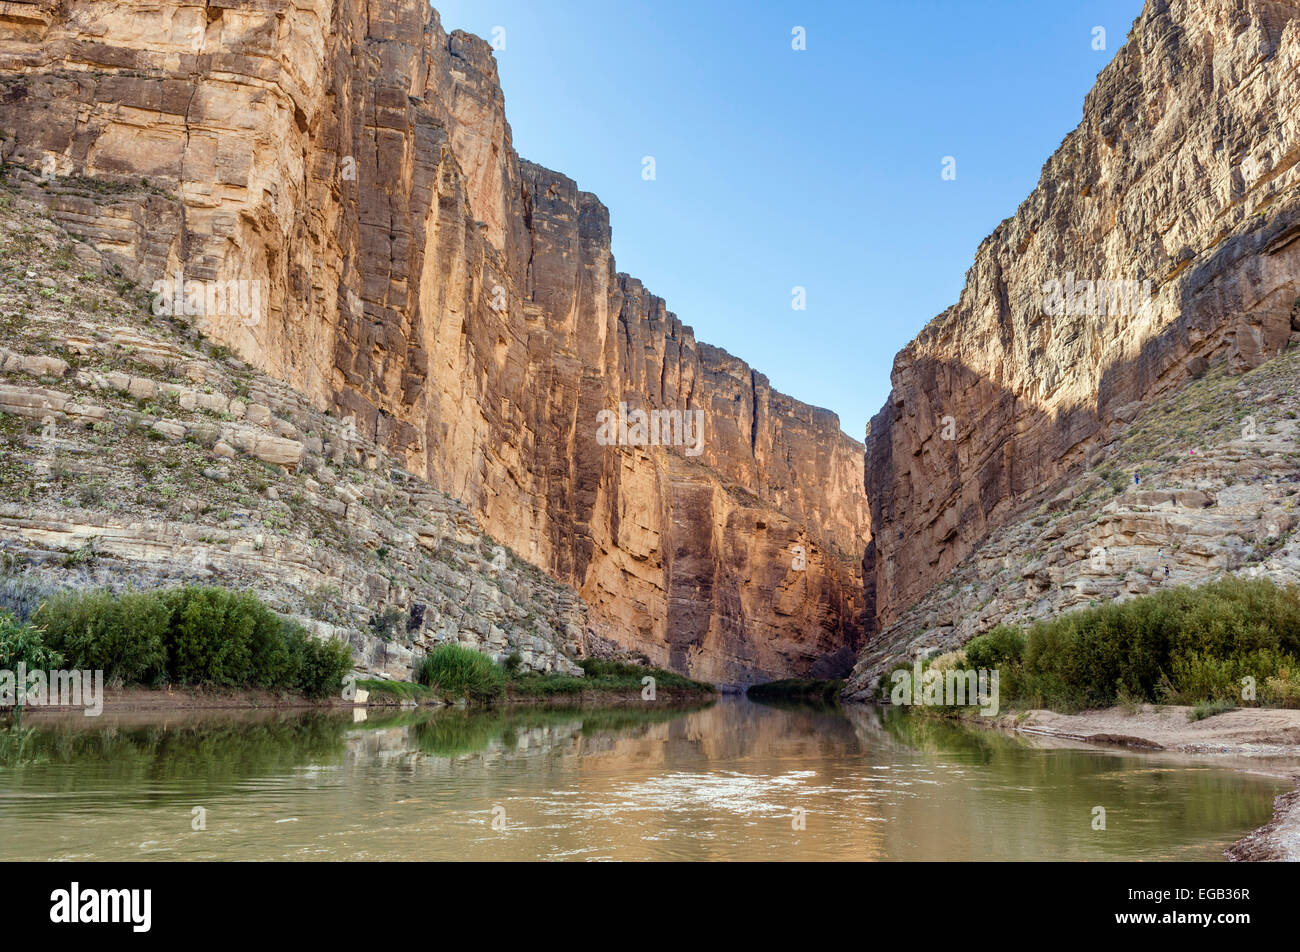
(351, 161)
(1183, 173)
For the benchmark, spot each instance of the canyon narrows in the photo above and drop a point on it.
(457, 307)
(432, 303)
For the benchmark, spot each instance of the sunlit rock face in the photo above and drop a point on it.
(1181, 183)
(352, 161)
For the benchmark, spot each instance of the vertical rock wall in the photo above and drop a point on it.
(353, 161)
(1183, 173)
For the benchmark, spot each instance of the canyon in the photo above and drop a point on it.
(456, 307)
(436, 306)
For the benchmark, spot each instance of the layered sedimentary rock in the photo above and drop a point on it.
(1217, 496)
(134, 454)
(1181, 182)
(351, 163)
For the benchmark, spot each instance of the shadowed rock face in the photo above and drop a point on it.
(1182, 173)
(353, 161)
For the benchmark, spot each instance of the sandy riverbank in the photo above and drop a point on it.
(1270, 738)
(139, 700)
(1265, 732)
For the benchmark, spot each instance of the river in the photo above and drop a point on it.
(732, 781)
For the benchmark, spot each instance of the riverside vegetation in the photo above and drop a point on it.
(191, 636)
(1233, 641)
(199, 636)
(454, 671)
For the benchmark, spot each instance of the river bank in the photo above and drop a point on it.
(1260, 741)
(398, 695)
(142, 699)
(1265, 732)
(1261, 733)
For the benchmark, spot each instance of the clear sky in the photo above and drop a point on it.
(819, 168)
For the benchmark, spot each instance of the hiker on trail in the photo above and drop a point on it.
(1166, 571)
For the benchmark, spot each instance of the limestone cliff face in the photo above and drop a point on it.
(353, 161)
(1182, 173)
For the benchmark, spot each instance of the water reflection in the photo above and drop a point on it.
(728, 781)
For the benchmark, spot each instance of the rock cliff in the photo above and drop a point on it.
(1178, 190)
(350, 164)
(1199, 484)
(134, 452)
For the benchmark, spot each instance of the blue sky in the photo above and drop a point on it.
(818, 168)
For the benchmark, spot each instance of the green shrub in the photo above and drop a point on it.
(1198, 677)
(1209, 709)
(1283, 690)
(401, 690)
(322, 665)
(26, 645)
(210, 640)
(121, 636)
(192, 636)
(276, 662)
(1003, 645)
(623, 674)
(535, 684)
(1181, 645)
(459, 672)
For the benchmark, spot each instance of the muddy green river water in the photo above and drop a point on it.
(733, 781)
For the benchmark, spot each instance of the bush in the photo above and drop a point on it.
(25, 644)
(1003, 645)
(622, 674)
(192, 636)
(1283, 690)
(1209, 709)
(321, 665)
(1182, 646)
(123, 637)
(210, 640)
(460, 672)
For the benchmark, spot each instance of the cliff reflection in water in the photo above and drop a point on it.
(729, 781)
